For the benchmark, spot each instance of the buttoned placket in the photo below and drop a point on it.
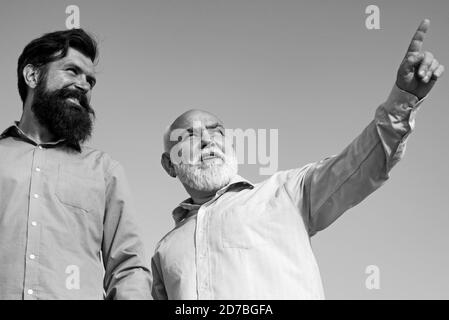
(201, 245)
(203, 272)
(202, 254)
(35, 199)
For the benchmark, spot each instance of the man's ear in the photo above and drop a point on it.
(168, 165)
(31, 75)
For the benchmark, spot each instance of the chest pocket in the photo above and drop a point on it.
(246, 226)
(79, 193)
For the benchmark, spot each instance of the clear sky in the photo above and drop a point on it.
(310, 69)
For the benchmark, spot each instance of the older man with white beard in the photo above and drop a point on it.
(238, 240)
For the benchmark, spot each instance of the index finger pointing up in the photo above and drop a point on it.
(418, 38)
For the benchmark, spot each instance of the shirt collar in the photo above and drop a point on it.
(187, 208)
(15, 131)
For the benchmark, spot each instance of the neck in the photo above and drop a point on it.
(32, 128)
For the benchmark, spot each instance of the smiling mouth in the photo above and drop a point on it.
(210, 156)
(75, 103)
(74, 100)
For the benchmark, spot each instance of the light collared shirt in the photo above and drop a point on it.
(66, 224)
(252, 241)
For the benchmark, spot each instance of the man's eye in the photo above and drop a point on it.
(186, 136)
(72, 70)
(219, 131)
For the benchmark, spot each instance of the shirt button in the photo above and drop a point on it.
(34, 223)
(38, 169)
(40, 147)
(36, 196)
(30, 291)
(32, 256)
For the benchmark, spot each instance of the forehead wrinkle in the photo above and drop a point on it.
(77, 59)
(185, 122)
(188, 121)
(211, 126)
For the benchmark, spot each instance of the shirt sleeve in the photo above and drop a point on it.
(158, 290)
(331, 186)
(127, 275)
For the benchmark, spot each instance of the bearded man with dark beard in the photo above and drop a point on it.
(234, 239)
(65, 112)
(67, 229)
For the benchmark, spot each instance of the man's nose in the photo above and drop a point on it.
(204, 144)
(206, 139)
(82, 84)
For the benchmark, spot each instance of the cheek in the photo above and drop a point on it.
(187, 152)
(179, 153)
(56, 82)
(227, 147)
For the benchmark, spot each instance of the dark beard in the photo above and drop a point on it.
(64, 119)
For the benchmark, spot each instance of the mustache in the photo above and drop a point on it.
(212, 152)
(66, 93)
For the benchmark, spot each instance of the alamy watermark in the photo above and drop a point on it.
(372, 282)
(372, 21)
(251, 146)
(73, 20)
(72, 282)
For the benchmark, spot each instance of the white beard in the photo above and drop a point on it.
(208, 176)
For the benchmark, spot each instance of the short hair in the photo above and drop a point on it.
(52, 47)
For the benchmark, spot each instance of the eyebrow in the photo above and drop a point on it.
(90, 77)
(212, 126)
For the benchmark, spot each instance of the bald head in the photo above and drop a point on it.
(187, 120)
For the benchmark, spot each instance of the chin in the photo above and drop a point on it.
(209, 176)
(208, 180)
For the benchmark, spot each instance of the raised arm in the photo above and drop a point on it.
(338, 183)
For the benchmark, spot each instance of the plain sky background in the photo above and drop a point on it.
(310, 69)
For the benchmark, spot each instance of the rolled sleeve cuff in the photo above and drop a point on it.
(403, 105)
